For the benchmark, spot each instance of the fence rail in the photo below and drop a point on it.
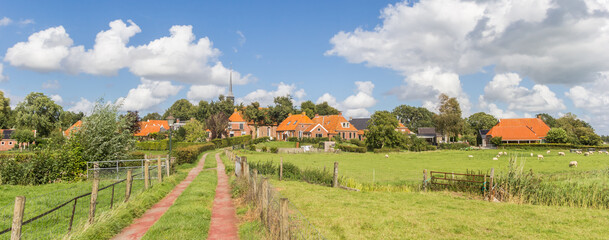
(117, 169)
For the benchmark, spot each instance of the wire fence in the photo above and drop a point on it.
(280, 217)
(117, 169)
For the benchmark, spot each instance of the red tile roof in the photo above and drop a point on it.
(75, 127)
(402, 128)
(333, 123)
(236, 117)
(290, 123)
(520, 129)
(151, 126)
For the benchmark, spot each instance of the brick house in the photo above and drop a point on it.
(151, 126)
(295, 125)
(519, 130)
(237, 126)
(335, 125)
(7, 142)
(74, 128)
(301, 126)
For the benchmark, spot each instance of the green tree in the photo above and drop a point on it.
(203, 111)
(258, 116)
(481, 120)
(224, 105)
(195, 131)
(282, 109)
(557, 135)
(381, 131)
(325, 109)
(103, 135)
(217, 124)
(24, 136)
(449, 121)
(309, 108)
(5, 111)
(414, 117)
(497, 141)
(586, 136)
(67, 119)
(181, 109)
(133, 120)
(570, 123)
(547, 119)
(152, 116)
(37, 111)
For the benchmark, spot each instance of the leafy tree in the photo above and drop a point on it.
(449, 121)
(181, 109)
(282, 109)
(224, 105)
(256, 115)
(586, 136)
(203, 111)
(195, 131)
(67, 118)
(24, 136)
(547, 119)
(217, 125)
(152, 116)
(576, 128)
(325, 109)
(557, 135)
(308, 107)
(414, 117)
(133, 120)
(179, 135)
(5, 111)
(103, 135)
(481, 120)
(417, 144)
(497, 141)
(37, 111)
(381, 131)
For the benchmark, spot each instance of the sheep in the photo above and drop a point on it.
(548, 152)
(586, 154)
(470, 156)
(591, 152)
(573, 164)
(504, 153)
(386, 155)
(495, 159)
(498, 156)
(500, 153)
(539, 157)
(579, 152)
(531, 154)
(561, 153)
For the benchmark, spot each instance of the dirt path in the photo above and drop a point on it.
(141, 225)
(223, 216)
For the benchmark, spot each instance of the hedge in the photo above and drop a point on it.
(550, 145)
(386, 150)
(348, 148)
(261, 140)
(189, 154)
(453, 146)
(227, 142)
(162, 145)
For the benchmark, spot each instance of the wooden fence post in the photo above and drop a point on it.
(491, 188)
(167, 165)
(284, 223)
(335, 178)
(94, 190)
(146, 175)
(425, 180)
(254, 186)
(17, 217)
(159, 170)
(246, 169)
(264, 199)
(129, 181)
(281, 169)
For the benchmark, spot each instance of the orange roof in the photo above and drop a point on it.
(236, 117)
(402, 128)
(75, 127)
(290, 123)
(151, 126)
(333, 123)
(520, 129)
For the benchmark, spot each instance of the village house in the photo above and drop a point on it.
(237, 126)
(7, 142)
(430, 135)
(334, 125)
(295, 125)
(361, 124)
(519, 130)
(72, 129)
(151, 126)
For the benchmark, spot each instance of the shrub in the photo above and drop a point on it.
(348, 148)
(453, 146)
(497, 141)
(266, 168)
(357, 142)
(253, 147)
(261, 140)
(431, 148)
(264, 149)
(274, 150)
(291, 171)
(386, 150)
(292, 139)
(136, 155)
(189, 154)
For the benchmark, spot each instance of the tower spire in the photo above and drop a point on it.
(230, 86)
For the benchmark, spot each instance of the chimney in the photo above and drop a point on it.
(350, 118)
(316, 115)
(304, 113)
(340, 113)
(289, 114)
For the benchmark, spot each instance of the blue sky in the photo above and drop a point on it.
(360, 56)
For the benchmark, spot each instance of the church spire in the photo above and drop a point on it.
(230, 86)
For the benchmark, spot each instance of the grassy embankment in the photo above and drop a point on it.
(277, 144)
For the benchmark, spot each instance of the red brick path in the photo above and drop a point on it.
(223, 217)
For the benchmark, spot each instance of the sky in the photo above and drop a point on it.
(509, 58)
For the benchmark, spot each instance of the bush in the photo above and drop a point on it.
(497, 141)
(264, 149)
(386, 150)
(261, 140)
(228, 142)
(274, 150)
(292, 139)
(189, 154)
(357, 142)
(266, 168)
(291, 171)
(253, 147)
(431, 148)
(348, 148)
(551, 146)
(453, 146)
(136, 155)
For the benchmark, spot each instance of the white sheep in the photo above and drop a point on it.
(586, 154)
(579, 152)
(504, 153)
(495, 158)
(548, 152)
(386, 155)
(573, 164)
(500, 153)
(470, 156)
(561, 153)
(539, 157)
(531, 154)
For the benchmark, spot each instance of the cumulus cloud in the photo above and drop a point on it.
(2, 76)
(178, 57)
(494, 110)
(506, 88)
(83, 105)
(5, 21)
(148, 94)
(204, 92)
(57, 99)
(265, 97)
(354, 105)
(51, 84)
(593, 99)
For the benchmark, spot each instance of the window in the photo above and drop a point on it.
(232, 134)
(10, 143)
(268, 132)
(319, 135)
(300, 134)
(240, 125)
(319, 129)
(2, 143)
(345, 125)
(243, 133)
(289, 122)
(295, 122)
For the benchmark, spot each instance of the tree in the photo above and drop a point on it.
(67, 118)
(547, 119)
(37, 111)
(203, 111)
(325, 109)
(152, 116)
(223, 104)
(195, 131)
(181, 109)
(282, 109)
(576, 128)
(481, 120)
(308, 107)
(414, 118)
(381, 131)
(497, 141)
(24, 136)
(557, 135)
(133, 120)
(5, 111)
(449, 121)
(256, 115)
(586, 136)
(217, 124)
(103, 135)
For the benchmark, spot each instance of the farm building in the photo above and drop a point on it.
(361, 124)
(151, 126)
(7, 142)
(430, 135)
(520, 130)
(239, 126)
(335, 125)
(295, 125)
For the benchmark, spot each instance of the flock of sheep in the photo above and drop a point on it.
(539, 156)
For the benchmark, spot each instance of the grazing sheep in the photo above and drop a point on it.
(591, 152)
(573, 164)
(579, 152)
(586, 154)
(498, 156)
(504, 153)
(495, 158)
(500, 153)
(548, 152)
(539, 157)
(531, 154)
(470, 156)
(386, 155)
(561, 153)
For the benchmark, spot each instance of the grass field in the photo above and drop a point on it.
(277, 144)
(407, 167)
(190, 215)
(340, 214)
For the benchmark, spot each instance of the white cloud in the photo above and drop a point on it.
(2, 76)
(506, 88)
(354, 105)
(204, 92)
(5, 21)
(242, 38)
(266, 98)
(43, 52)
(494, 110)
(148, 94)
(178, 57)
(83, 105)
(57, 99)
(27, 21)
(51, 84)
